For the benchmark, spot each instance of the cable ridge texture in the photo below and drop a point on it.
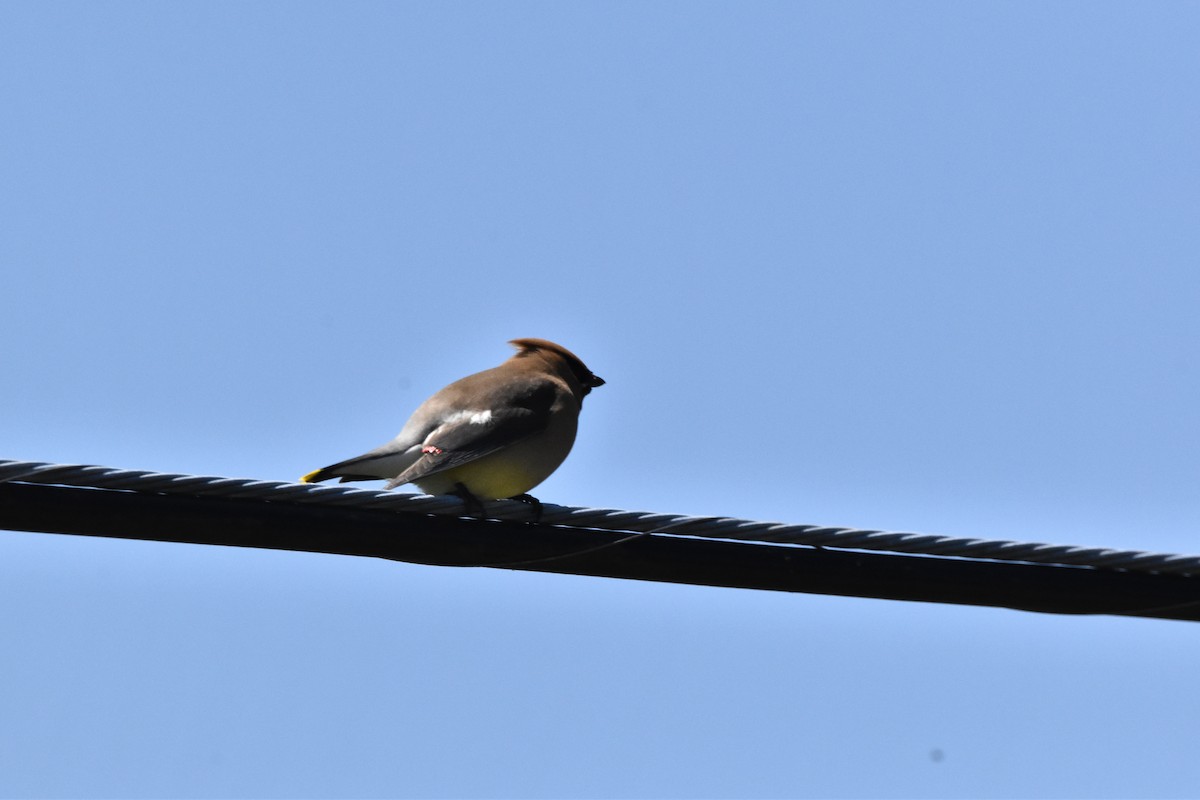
(99, 477)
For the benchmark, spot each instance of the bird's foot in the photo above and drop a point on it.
(533, 501)
(474, 504)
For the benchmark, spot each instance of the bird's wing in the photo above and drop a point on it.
(514, 412)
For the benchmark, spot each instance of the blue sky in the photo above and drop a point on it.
(911, 266)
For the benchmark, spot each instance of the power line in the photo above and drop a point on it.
(94, 500)
(603, 518)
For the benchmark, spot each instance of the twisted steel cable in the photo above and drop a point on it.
(100, 477)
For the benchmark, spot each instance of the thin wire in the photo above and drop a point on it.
(524, 562)
(609, 519)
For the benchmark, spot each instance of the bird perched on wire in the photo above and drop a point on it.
(495, 434)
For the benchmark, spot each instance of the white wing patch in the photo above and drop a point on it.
(470, 416)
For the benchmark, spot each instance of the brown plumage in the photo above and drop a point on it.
(497, 433)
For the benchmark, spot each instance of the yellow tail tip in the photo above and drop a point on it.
(311, 477)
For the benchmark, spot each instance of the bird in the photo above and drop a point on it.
(492, 435)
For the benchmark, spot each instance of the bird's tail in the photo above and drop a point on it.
(325, 473)
(381, 463)
(318, 475)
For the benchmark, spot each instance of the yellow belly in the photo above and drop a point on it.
(511, 471)
(488, 478)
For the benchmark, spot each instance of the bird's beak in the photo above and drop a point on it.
(595, 381)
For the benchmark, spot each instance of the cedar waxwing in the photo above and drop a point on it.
(494, 434)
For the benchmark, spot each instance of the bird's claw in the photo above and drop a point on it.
(474, 504)
(533, 501)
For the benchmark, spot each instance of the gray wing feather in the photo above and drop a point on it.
(525, 411)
